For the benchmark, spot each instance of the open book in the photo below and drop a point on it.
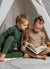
(34, 50)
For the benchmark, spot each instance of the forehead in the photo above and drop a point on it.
(38, 25)
(24, 21)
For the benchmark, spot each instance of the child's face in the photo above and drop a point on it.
(37, 27)
(24, 25)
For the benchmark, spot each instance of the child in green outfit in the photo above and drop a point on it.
(12, 36)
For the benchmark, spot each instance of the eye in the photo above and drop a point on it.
(24, 25)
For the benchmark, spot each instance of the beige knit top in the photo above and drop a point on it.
(37, 39)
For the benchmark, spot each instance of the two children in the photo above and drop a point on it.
(12, 36)
(37, 38)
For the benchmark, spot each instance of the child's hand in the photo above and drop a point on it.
(44, 44)
(26, 44)
(48, 44)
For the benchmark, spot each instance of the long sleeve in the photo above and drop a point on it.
(5, 34)
(43, 39)
(19, 43)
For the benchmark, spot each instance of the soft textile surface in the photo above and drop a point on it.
(26, 63)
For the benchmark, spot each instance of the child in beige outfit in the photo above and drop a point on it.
(37, 38)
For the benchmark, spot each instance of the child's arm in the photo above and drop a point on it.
(44, 44)
(5, 34)
(43, 40)
(27, 44)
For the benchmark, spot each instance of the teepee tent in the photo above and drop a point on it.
(9, 9)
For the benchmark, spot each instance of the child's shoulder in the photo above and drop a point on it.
(42, 33)
(13, 27)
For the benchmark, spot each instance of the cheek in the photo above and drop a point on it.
(23, 27)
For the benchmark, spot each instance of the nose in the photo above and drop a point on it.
(25, 27)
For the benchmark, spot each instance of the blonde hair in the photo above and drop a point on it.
(19, 19)
(27, 33)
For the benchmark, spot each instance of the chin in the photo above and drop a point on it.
(36, 32)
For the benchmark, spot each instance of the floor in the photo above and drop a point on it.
(26, 63)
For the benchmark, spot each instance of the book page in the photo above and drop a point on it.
(40, 49)
(32, 47)
(36, 50)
